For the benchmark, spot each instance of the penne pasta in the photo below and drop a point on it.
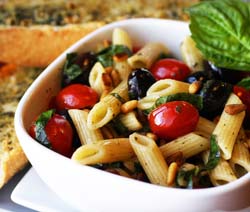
(191, 55)
(95, 77)
(228, 128)
(130, 121)
(222, 173)
(162, 88)
(240, 160)
(150, 158)
(205, 127)
(189, 145)
(108, 107)
(146, 56)
(121, 37)
(105, 151)
(86, 135)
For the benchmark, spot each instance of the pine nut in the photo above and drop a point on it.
(129, 106)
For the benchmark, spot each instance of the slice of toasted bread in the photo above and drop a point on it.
(35, 34)
(12, 157)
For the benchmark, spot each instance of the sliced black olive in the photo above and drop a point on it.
(225, 75)
(202, 76)
(77, 68)
(139, 81)
(214, 94)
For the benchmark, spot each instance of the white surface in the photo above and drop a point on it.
(90, 189)
(33, 193)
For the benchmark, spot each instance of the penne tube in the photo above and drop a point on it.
(95, 77)
(146, 56)
(162, 88)
(108, 107)
(189, 145)
(228, 128)
(123, 69)
(222, 173)
(240, 160)
(150, 157)
(205, 127)
(121, 37)
(86, 135)
(191, 55)
(105, 151)
(130, 121)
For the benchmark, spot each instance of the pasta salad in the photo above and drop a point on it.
(141, 113)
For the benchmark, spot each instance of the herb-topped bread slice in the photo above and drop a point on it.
(34, 33)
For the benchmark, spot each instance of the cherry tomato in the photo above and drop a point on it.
(76, 96)
(244, 95)
(173, 119)
(60, 134)
(170, 69)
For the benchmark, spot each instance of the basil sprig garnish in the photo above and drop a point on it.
(71, 69)
(105, 56)
(221, 31)
(40, 124)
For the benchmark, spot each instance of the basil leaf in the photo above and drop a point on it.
(70, 69)
(40, 127)
(222, 33)
(185, 175)
(214, 154)
(191, 98)
(105, 56)
(245, 83)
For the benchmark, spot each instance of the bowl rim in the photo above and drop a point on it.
(23, 134)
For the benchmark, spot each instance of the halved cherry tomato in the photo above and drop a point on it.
(60, 134)
(76, 96)
(173, 119)
(170, 69)
(244, 95)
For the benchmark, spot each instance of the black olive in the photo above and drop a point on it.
(139, 81)
(202, 76)
(85, 62)
(225, 75)
(214, 94)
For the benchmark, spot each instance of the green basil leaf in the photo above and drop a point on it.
(70, 69)
(193, 99)
(245, 83)
(214, 154)
(222, 33)
(40, 127)
(105, 56)
(185, 175)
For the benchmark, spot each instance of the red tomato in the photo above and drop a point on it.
(60, 134)
(244, 95)
(76, 96)
(170, 69)
(173, 119)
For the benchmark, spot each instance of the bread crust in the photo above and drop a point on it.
(38, 46)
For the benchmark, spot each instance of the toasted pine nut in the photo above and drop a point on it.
(108, 69)
(176, 157)
(194, 87)
(129, 106)
(151, 135)
(234, 109)
(106, 43)
(120, 57)
(172, 171)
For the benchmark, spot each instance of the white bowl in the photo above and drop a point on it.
(89, 189)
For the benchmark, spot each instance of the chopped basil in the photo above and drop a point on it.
(185, 175)
(40, 127)
(245, 83)
(105, 56)
(221, 31)
(70, 69)
(191, 98)
(214, 154)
